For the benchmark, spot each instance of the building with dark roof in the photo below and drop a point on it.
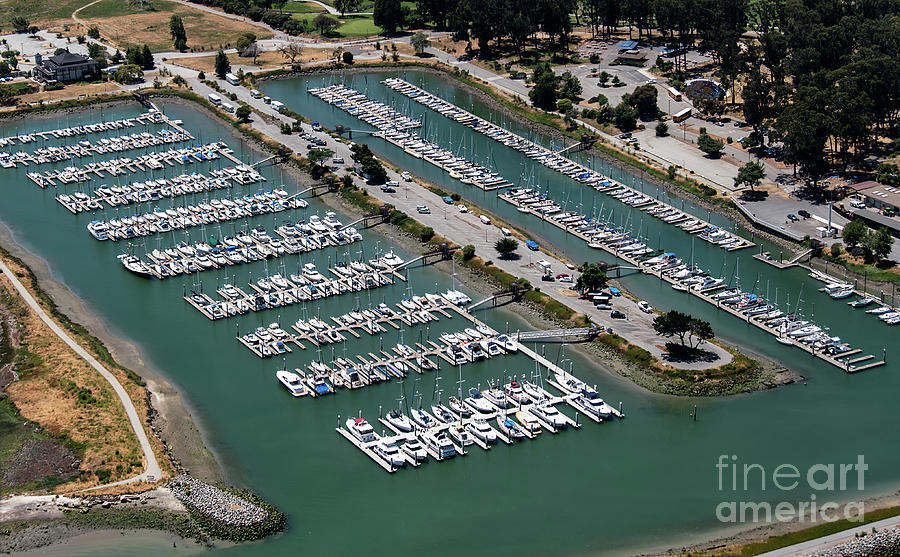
(64, 66)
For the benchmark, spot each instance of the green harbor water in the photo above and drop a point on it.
(645, 482)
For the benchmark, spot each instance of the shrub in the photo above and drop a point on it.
(455, 196)
(468, 252)
(662, 129)
(347, 57)
(286, 129)
(201, 76)
(564, 105)
(836, 250)
(426, 234)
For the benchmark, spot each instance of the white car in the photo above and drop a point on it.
(651, 81)
(406, 176)
(423, 209)
(463, 208)
(645, 306)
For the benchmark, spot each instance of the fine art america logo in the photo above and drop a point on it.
(826, 481)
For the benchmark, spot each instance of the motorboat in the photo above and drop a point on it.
(477, 401)
(291, 381)
(413, 447)
(442, 413)
(529, 422)
(439, 443)
(387, 449)
(461, 435)
(515, 392)
(548, 414)
(594, 405)
(507, 343)
(361, 430)
(496, 397)
(482, 430)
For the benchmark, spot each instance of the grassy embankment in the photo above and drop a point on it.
(68, 401)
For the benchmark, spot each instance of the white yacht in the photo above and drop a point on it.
(399, 421)
(388, 451)
(548, 414)
(291, 381)
(478, 402)
(415, 450)
(361, 429)
(482, 430)
(439, 443)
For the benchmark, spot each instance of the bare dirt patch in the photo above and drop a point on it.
(70, 92)
(38, 458)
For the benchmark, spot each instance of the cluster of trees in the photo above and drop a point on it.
(549, 88)
(140, 56)
(371, 167)
(21, 25)
(875, 244)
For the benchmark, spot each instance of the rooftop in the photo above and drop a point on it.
(67, 58)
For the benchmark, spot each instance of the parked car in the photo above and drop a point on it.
(792, 217)
(462, 208)
(388, 189)
(804, 213)
(547, 278)
(616, 314)
(423, 209)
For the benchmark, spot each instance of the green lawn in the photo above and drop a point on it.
(358, 26)
(37, 11)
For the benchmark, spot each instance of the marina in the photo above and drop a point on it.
(144, 119)
(257, 426)
(394, 128)
(308, 284)
(557, 162)
(215, 211)
(143, 163)
(244, 247)
(84, 148)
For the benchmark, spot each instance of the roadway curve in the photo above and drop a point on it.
(152, 472)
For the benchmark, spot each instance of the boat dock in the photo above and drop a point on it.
(553, 160)
(84, 148)
(394, 128)
(86, 129)
(586, 227)
(120, 166)
(246, 247)
(188, 216)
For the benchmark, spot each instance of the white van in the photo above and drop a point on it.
(231, 78)
(267, 100)
(277, 105)
(228, 107)
(255, 94)
(214, 98)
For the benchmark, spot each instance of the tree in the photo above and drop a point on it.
(684, 326)
(19, 24)
(243, 113)
(592, 278)
(201, 76)
(643, 99)
(388, 15)
(8, 94)
(291, 52)
(712, 147)
(543, 95)
(468, 252)
(93, 32)
(127, 73)
(855, 233)
(244, 41)
(347, 57)
(176, 28)
(147, 58)
(345, 6)
(223, 66)
(324, 23)
(624, 116)
(662, 129)
(420, 42)
(506, 246)
(570, 87)
(116, 57)
(880, 243)
(4, 68)
(564, 105)
(750, 175)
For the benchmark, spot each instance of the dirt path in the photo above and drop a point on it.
(152, 471)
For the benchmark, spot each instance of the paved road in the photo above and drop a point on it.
(152, 472)
(467, 228)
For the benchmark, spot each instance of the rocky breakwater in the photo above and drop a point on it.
(883, 543)
(226, 513)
